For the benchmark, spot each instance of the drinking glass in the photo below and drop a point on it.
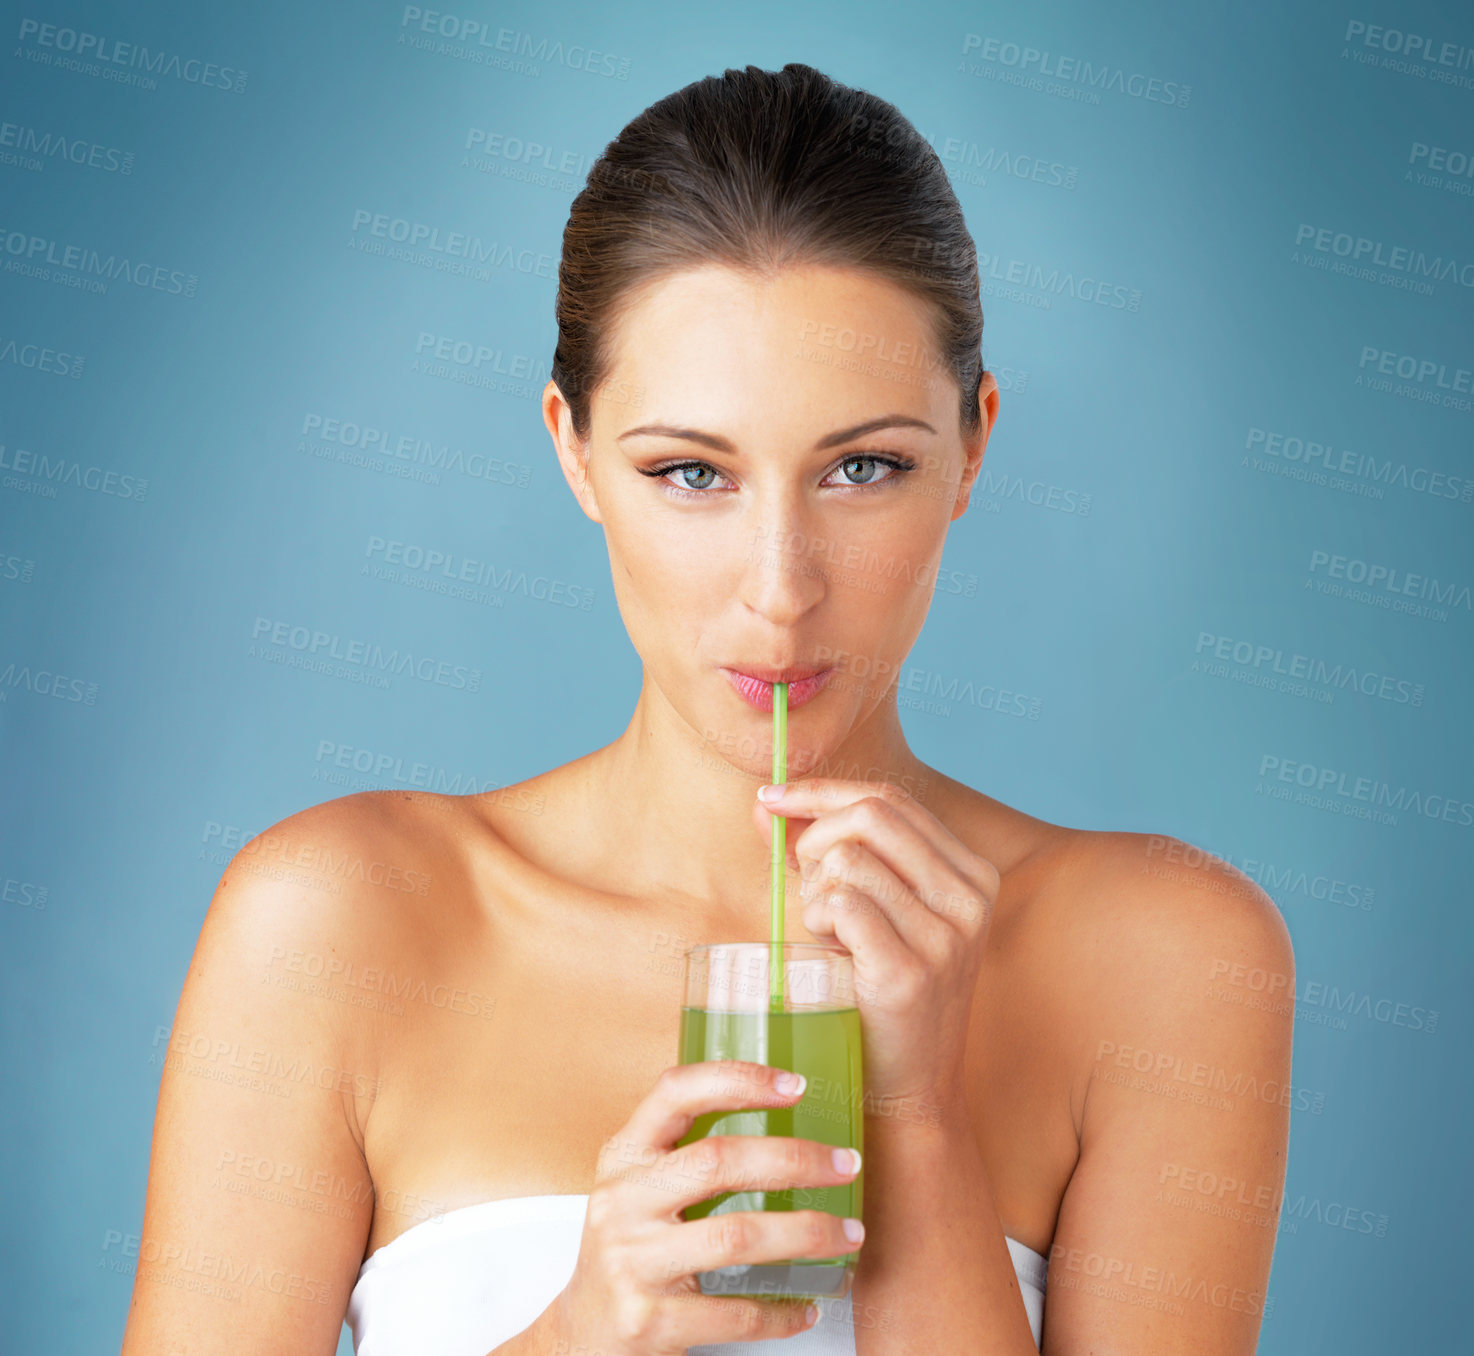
(731, 1011)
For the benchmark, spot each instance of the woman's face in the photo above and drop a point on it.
(775, 487)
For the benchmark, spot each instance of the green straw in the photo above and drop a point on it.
(780, 849)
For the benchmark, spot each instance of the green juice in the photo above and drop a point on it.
(824, 1046)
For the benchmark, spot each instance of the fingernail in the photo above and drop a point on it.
(771, 792)
(811, 1314)
(788, 1083)
(846, 1160)
(854, 1231)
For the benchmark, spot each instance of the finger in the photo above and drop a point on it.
(755, 1238)
(718, 1163)
(681, 1094)
(810, 797)
(887, 833)
(884, 963)
(849, 877)
(849, 862)
(701, 1320)
(813, 797)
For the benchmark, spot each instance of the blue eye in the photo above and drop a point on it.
(694, 466)
(852, 466)
(861, 461)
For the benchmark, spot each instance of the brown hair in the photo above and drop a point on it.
(759, 169)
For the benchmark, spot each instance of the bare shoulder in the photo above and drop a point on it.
(1168, 952)
(269, 1076)
(385, 869)
(312, 911)
(343, 880)
(375, 839)
(1128, 905)
(311, 873)
(1142, 902)
(1157, 955)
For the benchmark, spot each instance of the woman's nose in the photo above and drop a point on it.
(784, 574)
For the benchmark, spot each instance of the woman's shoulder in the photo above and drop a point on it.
(1131, 905)
(1131, 942)
(1137, 893)
(380, 839)
(363, 871)
(405, 850)
(316, 910)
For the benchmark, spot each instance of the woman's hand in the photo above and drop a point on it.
(634, 1290)
(888, 881)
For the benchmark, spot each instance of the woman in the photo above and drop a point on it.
(425, 1076)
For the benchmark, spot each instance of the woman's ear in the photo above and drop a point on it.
(973, 444)
(572, 455)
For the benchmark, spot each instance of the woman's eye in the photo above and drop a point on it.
(860, 471)
(865, 472)
(702, 472)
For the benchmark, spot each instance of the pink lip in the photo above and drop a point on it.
(756, 692)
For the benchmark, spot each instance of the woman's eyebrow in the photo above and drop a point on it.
(720, 444)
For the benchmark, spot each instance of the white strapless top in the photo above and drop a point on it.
(465, 1281)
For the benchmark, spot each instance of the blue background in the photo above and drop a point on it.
(165, 734)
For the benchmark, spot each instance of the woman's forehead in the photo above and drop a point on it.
(711, 337)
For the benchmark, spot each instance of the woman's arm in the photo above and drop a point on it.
(259, 1198)
(936, 1274)
(1184, 981)
(1166, 1230)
